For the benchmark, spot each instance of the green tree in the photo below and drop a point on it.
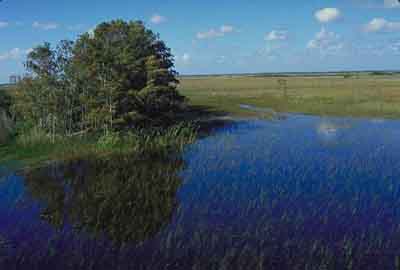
(112, 79)
(131, 71)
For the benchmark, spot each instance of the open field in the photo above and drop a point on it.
(361, 95)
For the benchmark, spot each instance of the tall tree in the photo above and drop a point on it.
(132, 70)
(106, 80)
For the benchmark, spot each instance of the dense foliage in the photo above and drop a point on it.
(6, 125)
(5, 100)
(119, 75)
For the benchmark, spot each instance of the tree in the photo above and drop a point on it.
(131, 70)
(108, 80)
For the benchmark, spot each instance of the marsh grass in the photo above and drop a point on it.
(362, 96)
(35, 148)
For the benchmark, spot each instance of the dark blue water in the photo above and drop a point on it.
(300, 193)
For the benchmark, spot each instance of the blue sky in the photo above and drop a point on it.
(212, 36)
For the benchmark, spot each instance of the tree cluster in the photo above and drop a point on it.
(110, 79)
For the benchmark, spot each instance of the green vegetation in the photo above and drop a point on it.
(6, 125)
(34, 148)
(110, 90)
(121, 75)
(363, 95)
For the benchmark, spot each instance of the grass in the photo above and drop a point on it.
(34, 150)
(362, 95)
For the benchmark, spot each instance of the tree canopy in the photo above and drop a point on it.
(120, 74)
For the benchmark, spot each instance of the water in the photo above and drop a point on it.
(302, 192)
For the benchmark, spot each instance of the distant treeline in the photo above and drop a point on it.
(298, 74)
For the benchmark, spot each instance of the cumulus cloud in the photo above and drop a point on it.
(327, 15)
(3, 24)
(45, 26)
(14, 54)
(212, 33)
(381, 25)
(276, 35)
(326, 42)
(157, 19)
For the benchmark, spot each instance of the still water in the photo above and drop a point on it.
(302, 192)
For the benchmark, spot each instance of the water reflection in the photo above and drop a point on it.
(330, 128)
(86, 214)
(127, 201)
(258, 195)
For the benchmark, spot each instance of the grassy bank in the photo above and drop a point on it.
(362, 95)
(33, 150)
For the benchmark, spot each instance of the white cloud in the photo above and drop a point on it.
(212, 33)
(45, 26)
(276, 35)
(326, 42)
(391, 3)
(327, 15)
(3, 24)
(381, 25)
(157, 19)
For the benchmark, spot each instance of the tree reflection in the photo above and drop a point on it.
(121, 198)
